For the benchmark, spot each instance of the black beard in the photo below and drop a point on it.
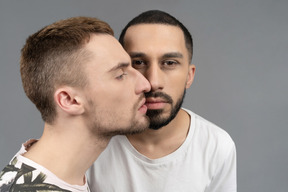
(156, 121)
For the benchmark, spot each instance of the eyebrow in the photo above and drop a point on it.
(173, 55)
(119, 66)
(166, 55)
(137, 54)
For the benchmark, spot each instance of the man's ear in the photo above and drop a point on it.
(190, 76)
(69, 100)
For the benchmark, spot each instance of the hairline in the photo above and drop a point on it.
(158, 23)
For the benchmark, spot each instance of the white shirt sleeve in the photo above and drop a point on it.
(225, 179)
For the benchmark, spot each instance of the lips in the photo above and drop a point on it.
(155, 103)
(155, 100)
(143, 107)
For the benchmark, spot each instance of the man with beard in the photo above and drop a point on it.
(181, 151)
(82, 82)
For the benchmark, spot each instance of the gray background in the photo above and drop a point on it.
(241, 50)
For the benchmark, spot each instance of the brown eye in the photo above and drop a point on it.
(169, 64)
(138, 63)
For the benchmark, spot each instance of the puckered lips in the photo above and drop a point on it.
(154, 103)
(143, 106)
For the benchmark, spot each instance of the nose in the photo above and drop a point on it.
(154, 76)
(142, 84)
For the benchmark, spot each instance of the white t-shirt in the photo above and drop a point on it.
(205, 162)
(23, 174)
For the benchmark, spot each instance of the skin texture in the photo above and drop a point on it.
(158, 51)
(112, 102)
(115, 90)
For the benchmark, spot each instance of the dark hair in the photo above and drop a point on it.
(160, 17)
(53, 56)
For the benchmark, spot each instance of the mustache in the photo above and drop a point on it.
(162, 95)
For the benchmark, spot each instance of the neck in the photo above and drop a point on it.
(67, 151)
(158, 143)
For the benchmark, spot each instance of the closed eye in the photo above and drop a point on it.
(120, 77)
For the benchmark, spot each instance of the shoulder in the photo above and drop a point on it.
(10, 175)
(207, 134)
(21, 174)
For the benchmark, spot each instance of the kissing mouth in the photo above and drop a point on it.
(143, 107)
(142, 102)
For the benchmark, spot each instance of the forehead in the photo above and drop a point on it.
(106, 52)
(160, 36)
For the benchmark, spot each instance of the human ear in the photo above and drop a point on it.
(190, 76)
(68, 100)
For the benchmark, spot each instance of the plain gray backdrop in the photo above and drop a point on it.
(240, 53)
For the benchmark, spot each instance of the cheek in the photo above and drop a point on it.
(120, 97)
(178, 80)
(177, 86)
(116, 95)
